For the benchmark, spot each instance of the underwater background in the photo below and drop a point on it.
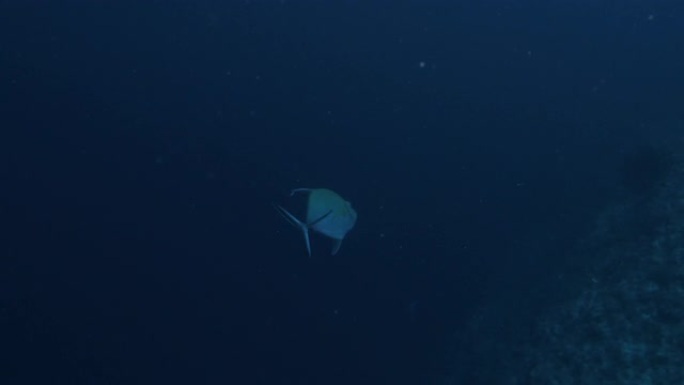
(517, 167)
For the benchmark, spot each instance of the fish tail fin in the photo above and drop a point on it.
(305, 231)
(297, 223)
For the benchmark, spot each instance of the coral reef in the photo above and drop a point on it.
(624, 323)
(627, 324)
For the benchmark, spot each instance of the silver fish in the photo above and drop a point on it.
(326, 213)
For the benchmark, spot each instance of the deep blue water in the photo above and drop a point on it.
(144, 142)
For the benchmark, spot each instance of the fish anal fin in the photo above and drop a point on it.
(337, 243)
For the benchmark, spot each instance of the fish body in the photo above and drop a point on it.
(327, 213)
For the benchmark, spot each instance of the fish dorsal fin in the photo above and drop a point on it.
(298, 190)
(296, 222)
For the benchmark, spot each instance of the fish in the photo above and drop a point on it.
(327, 213)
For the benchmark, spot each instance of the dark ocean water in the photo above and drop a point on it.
(143, 144)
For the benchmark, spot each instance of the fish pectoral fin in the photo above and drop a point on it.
(313, 223)
(337, 243)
